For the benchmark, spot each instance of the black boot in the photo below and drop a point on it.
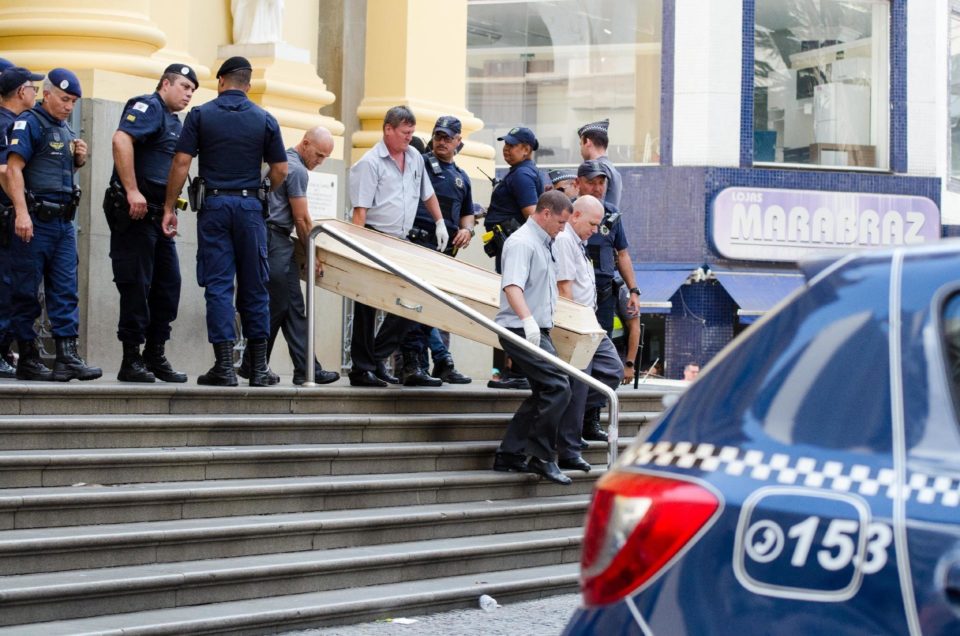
(155, 358)
(260, 373)
(591, 426)
(413, 375)
(132, 368)
(244, 370)
(70, 365)
(448, 373)
(30, 367)
(221, 373)
(7, 370)
(382, 373)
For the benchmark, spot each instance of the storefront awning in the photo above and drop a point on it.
(657, 286)
(757, 292)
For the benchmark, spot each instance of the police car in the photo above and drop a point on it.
(809, 481)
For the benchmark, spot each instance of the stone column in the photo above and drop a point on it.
(416, 55)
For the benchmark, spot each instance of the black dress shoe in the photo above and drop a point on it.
(366, 378)
(382, 373)
(513, 382)
(575, 463)
(320, 376)
(509, 463)
(550, 470)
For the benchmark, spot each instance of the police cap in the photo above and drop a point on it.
(521, 135)
(233, 64)
(448, 125)
(16, 76)
(66, 81)
(561, 174)
(186, 71)
(603, 125)
(590, 169)
(5, 64)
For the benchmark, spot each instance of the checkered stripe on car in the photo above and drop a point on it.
(789, 470)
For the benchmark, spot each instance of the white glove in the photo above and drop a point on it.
(443, 237)
(531, 331)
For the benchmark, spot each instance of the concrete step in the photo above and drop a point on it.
(104, 397)
(278, 613)
(41, 432)
(65, 595)
(110, 545)
(87, 505)
(27, 469)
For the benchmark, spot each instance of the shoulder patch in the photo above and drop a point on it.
(141, 106)
(131, 117)
(20, 125)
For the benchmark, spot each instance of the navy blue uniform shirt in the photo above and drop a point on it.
(52, 175)
(155, 131)
(602, 248)
(520, 188)
(454, 193)
(232, 134)
(7, 118)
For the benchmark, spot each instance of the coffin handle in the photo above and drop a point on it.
(416, 308)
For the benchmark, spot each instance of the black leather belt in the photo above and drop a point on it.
(276, 227)
(223, 192)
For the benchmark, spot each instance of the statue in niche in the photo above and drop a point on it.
(257, 21)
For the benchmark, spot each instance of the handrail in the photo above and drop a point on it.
(476, 316)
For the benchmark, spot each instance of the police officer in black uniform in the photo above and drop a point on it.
(455, 195)
(146, 268)
(18, 93)
(42, 156)
(232, 136)
(608, 251)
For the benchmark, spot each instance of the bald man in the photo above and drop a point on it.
(289, 213)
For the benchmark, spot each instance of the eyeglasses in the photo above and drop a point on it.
(441, 137)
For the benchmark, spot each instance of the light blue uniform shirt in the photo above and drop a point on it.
(528, 264)
(391, 198)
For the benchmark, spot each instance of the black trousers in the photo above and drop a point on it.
(534, 427)
(365, 349)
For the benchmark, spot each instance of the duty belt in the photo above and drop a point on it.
(276, 227)
(48, 211)
(244, 192)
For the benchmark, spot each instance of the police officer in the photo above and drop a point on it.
(564, 180)
(17, 94)
(608, 251)
(42, 157)
(455, 195)
(146, 269)
(594, 140)
(232, 136)
(513, 200)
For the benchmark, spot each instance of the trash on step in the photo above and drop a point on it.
(488, 603)
(398, 621)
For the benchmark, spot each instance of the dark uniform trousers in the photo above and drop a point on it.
(365, 350)
(606, 305)
(233, 243)
(6, 285)
(51, 257)
(287, 309)
(606, 367)
(534, 427)
(146, 270)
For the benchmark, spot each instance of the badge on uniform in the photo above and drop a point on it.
(604, 230)
(56, 145)
(141, 106)
(20, 125)
(14, 142)
(458, 182)
(131, 117)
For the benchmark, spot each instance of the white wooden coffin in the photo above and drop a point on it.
(576, 333)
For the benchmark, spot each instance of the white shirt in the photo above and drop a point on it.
(573, 265)
(391, 198)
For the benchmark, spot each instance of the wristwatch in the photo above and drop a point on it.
(635, 290)
(628, 364)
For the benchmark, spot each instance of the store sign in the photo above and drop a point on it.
(764, 224)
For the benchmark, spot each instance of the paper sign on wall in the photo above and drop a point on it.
(322, 195)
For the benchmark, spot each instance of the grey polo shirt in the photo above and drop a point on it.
(614, 181)
(294, 186)
(391, 198)
(574, 265)
(528, 263)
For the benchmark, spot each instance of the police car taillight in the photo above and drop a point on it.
(636, 524)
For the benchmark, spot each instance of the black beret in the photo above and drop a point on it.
(186, 71)
(233, 64)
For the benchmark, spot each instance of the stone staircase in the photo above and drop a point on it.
(198, 510)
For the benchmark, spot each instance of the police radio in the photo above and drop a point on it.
(609, 220)
(434, 163)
